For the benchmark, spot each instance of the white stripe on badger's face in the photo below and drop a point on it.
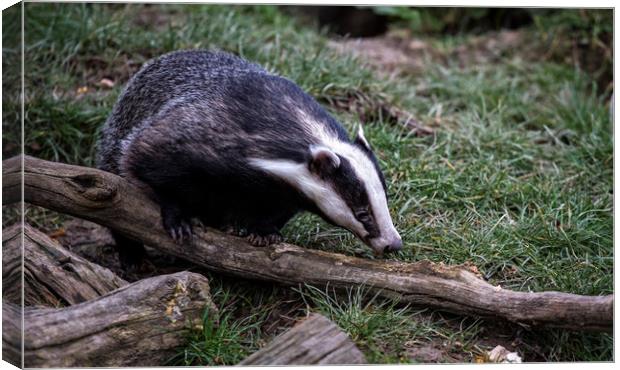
(324, 195)
(319, 192)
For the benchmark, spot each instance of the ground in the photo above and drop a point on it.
(493, 156)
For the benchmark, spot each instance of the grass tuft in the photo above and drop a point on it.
(222, 339)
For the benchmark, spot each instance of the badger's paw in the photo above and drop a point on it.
(179, 229)
(264, 240)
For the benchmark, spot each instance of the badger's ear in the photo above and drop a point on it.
(360, 139)
(323, 160)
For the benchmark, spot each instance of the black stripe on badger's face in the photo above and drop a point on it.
(354, 194)
(351, 189)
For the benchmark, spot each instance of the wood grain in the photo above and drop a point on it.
(313, 341)
(53, 276)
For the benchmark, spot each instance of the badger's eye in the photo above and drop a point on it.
(362, 215)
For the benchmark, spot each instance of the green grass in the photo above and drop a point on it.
(373, 326)
(11, 81)
(221, 339)
(380, 328)
(516, 180)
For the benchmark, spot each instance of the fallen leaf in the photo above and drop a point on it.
(58, 233)
(500, 354)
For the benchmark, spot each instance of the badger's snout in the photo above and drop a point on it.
(394, 243)
(394, 246)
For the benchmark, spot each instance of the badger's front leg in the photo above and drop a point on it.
(175, 221)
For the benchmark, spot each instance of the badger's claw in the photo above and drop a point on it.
(236, 231)
(179, 229)
(264, 240)
(241, 231)
(196, 222)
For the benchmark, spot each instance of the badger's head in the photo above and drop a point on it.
(343, 182)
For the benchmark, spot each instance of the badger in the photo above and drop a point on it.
(213, 137)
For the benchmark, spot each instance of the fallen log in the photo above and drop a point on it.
(140, 324)
(111, 201)
(12, 272)
(12, 334)
(313, 341)
(52, 275)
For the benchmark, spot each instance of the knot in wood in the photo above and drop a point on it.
(93, 187)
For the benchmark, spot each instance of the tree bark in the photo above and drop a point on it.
(53, 276)
(137, 325)
(110, 200)
(313, 341)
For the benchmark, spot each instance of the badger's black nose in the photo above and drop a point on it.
(395, 246)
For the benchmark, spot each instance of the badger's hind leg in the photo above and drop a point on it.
(264, 240)
(131, 253)
(265, 230)
(256, 237)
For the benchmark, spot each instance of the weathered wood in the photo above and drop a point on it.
(111, 201)
(12, 334)
(11, 184)
(52, 275)
(313, 341)
(139, 324)
(12, 271)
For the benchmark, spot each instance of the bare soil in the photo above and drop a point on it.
(401, 52)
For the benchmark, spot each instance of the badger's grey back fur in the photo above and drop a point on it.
(219, 138)
(203, 87)
(155, 85)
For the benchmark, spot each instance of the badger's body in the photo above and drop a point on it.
(214, 137)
